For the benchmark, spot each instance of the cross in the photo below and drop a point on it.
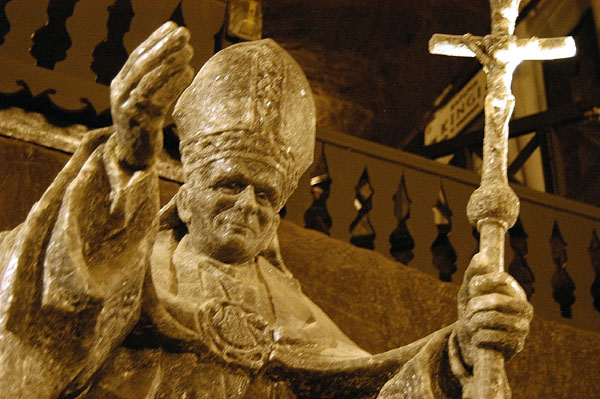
(494, 206)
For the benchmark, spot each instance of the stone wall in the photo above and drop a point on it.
(26, 170)
(381, 304)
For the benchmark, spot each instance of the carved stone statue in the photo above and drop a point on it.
(102, 296)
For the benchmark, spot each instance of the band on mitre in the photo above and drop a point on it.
(242, 146)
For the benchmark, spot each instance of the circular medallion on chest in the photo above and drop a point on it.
(240, 334)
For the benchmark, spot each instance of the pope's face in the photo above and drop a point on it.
(230, 209)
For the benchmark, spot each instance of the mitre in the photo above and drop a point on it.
(249, 102)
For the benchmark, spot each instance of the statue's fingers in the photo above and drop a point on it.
(496, 282)
(506, 342)
(493, 320)
(122, 83)
(145, 46)
(171, 89)
(164, 83)
(175, 85)
(501, 303)
(479, 265)
(159, 54)
(158, 104)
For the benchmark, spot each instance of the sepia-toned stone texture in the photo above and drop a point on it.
(103, 296)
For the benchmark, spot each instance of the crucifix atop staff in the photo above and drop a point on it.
(494, 206)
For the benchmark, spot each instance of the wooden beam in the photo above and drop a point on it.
(518, 127)
(523, 156)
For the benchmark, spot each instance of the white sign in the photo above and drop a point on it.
(451, 119)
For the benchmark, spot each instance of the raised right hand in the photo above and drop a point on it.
(141, 94)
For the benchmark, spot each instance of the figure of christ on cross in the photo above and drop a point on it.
(493, 208)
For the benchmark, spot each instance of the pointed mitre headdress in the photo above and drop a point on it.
(251, 101)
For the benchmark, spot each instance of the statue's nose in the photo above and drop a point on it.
(247, 200)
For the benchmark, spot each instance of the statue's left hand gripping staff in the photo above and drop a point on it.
(141, 94)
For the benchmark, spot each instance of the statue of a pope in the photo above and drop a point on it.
(103, 296)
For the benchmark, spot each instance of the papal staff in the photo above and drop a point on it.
(494, 206)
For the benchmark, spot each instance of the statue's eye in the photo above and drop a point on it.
(262, 197)
(230, 187)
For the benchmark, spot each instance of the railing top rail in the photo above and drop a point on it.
(399, 157)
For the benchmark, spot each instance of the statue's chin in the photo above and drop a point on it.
(237, 246)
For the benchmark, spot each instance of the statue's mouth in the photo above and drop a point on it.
(238, 221)
(241, 226)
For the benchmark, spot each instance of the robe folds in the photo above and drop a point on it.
(97, 302)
